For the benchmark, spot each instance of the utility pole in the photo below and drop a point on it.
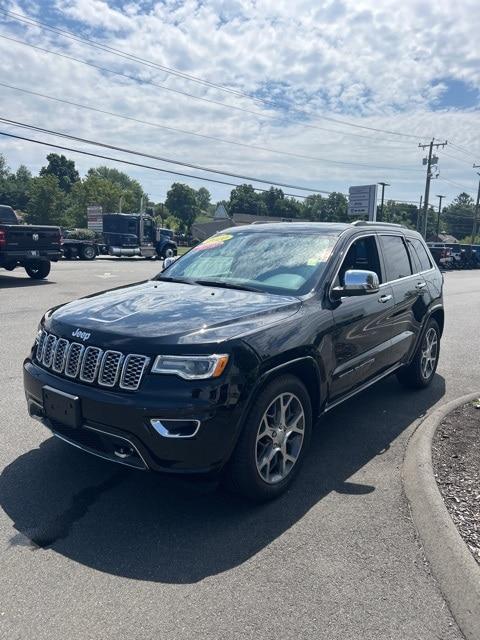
(431, 160)
(475, 217)
(419, 214)
(440, 198)
(383, 185)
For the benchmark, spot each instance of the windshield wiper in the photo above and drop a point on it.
(172, 279)
(228, 285)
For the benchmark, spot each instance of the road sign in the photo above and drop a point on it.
(362, 201)
(95, 218)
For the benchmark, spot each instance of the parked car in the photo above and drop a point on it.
(442, 254)
(223, 362)
(27, 246)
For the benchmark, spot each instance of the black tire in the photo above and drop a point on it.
(414, 375)
(87, 252)
(38, 270)
(242, 473)
(167, 252)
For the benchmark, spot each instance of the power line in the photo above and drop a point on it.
(149, 63)
(136, 164)
(154, 157)
(215, 138)
(456, 184)
(185, 93)
(463, 150)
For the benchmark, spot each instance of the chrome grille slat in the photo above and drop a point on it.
(74, 359)
(41, 345)
(132, 371)
(91, 364)
(110, 368)
(48, 350)
(60, 355)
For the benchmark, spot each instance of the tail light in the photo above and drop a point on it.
(3, 239)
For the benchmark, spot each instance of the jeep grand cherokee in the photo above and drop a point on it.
(225, 360)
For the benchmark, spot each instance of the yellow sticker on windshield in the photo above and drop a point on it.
(214, 241)
(222, 238)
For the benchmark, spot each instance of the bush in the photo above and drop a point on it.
(81, 234)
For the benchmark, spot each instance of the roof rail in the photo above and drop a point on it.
(366, 223)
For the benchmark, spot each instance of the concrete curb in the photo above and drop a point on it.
(451, 562)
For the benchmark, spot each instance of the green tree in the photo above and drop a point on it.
(46, 204)
(64, 170)
(458, 216)
(182, 203)
(203, 199)
(130, 190)
(92, 190)
(272, 198)
(20, 187)
(244, 199)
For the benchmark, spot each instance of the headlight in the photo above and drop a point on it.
(191, 367)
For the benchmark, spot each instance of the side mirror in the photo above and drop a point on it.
(357, 283)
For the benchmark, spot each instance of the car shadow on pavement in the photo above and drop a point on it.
(7, 282)
(149, 527)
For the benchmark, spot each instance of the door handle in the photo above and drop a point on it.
(420, 285)
(385, 298)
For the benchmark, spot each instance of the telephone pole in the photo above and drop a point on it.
(383, 185)
(419, 214)
(475, 217)
(440, 198)
(429, 161)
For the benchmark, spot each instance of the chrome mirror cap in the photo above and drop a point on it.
(358, 282)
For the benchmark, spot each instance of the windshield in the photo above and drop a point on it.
(275, 262)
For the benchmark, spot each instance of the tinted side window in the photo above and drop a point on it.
(363, 254)
(395, 255)
(422, 254)
(416, 264)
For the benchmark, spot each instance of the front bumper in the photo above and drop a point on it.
(113, 421)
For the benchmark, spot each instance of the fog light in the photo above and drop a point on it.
(172, 428)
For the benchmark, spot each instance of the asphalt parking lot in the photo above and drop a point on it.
(89, 550)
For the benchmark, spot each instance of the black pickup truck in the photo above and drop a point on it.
(27, 246)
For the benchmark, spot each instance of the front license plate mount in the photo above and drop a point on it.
(62, 407)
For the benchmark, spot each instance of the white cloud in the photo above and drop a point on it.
(375, 64)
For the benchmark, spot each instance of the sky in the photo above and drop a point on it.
(317, 94)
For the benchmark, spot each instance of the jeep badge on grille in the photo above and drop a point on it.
(83, 335)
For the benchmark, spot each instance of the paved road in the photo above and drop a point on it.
(122, 554)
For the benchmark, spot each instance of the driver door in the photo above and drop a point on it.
(363, 324)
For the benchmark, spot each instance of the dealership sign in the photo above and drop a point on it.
(362, 201)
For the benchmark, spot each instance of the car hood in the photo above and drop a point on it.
(156, 312)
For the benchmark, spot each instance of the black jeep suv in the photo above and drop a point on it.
(225, 360)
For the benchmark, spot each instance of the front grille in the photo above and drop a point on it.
(90, 364)
(132, 371)
(60, 355)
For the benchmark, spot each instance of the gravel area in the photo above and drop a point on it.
(456, 461)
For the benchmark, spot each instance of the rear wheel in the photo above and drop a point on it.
(38, 270)
(87, 252)
(274, 440)
(419, 373)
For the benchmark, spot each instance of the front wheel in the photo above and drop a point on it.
(274, 440)
(38, 270)
(419, 373)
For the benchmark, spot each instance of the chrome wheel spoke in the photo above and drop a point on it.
(429, 353)
(279, 438)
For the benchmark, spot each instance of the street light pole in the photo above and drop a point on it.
(440, 198)
(475, 218)
(383, 185)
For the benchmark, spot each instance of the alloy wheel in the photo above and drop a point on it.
(429, 353)
(280, 438)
